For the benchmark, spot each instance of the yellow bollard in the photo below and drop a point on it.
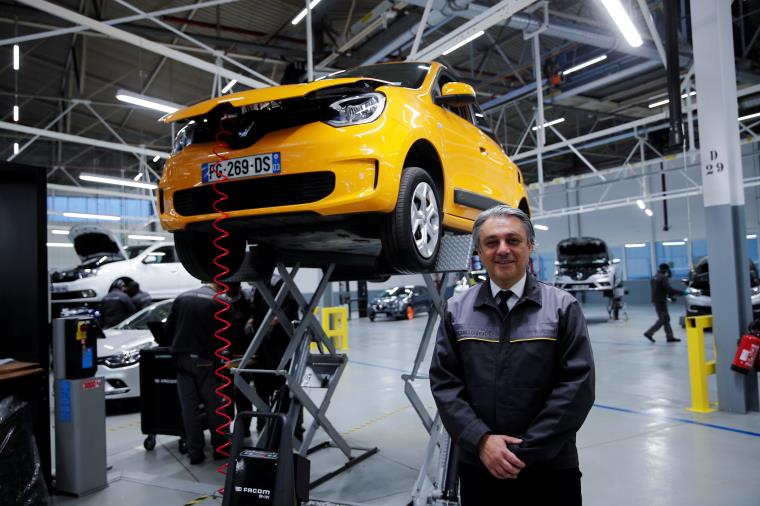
(699, 368)
(335, 324)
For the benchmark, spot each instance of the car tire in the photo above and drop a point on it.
(371, 317)
(411, 245)
(196, 252)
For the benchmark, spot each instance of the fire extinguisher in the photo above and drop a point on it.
(748, 352)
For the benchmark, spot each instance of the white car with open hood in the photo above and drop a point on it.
(104, 260)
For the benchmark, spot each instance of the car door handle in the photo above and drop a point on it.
(483, 150)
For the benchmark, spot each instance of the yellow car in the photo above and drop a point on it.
(365, 168)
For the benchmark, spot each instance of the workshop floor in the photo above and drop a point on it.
(639, 445)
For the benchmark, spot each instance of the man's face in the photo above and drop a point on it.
(504, 249)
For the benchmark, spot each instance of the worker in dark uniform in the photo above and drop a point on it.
(661, 290)
(139, 298)
(116, 306)
(512, 375)
(191, 326)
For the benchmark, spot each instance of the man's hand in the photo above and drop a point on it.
(501, 462)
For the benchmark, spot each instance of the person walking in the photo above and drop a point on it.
(512, 375)
(661, 290)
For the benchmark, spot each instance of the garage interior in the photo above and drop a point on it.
(621, 156)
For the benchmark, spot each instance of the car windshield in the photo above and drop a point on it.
(133, 251)
(398, 291)
(407, 75)
(155, 313)
(98, 260)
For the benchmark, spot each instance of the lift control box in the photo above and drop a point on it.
(75, 347)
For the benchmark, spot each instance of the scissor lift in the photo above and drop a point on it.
(436, 483)
(299, 367)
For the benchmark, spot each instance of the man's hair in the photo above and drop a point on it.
(502, 211)
(132, 288)
(664, 267)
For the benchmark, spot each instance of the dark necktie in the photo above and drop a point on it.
(503, 297)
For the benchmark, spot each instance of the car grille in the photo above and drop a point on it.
(257, 193)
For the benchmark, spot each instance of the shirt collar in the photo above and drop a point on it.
(517, 289)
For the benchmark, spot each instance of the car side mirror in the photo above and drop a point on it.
(456, 95)
(615, 260)
(150, 259)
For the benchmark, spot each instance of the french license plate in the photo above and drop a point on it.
(256, 165)
(59, 287)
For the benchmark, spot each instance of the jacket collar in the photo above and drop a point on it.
(532, 293)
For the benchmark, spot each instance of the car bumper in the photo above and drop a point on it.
(389, 312)
(700, 305)
(81, 291)
(592, 283)
(366, 174)
(121, 382)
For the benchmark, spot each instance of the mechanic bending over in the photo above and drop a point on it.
(513, 375)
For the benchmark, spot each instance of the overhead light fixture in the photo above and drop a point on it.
(147, 237)
(667, 100)
(673, 243)
(462, 43)
(156, 158)
(641, 204)
(88, 216)
(229, 86)
(635, 245)
(138, 176)
(685, 239)
(16, 57)
(59, 231)
(584, 64)
(60, 245)
(751, 236)
(541, 227)
(15, 113)
(749, 116)
(550, 123)
(116, 181)
(623, 21)
(648, 212)
(15, 148)
(302, 14)
(147, 102)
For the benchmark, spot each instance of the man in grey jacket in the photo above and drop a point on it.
(513, 375)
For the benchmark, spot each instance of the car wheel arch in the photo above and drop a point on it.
(423, 154)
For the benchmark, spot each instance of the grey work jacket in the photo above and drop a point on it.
(528, 375)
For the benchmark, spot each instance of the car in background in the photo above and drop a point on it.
(698, 298)
(585, 264)
(104, 261)
(119, 352)
(365, 169)
(400, 302)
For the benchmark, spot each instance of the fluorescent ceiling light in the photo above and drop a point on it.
(623, 22)
(667, 100)
(147, 237)
(15, 113)
(15, 148)
(752, 236)
(641, 204)
(156, 158)
(648, 212)
(302, 14)
(16, 57)
(88, 216)
(550, 123)
(138, 176)
(685, 239)
(540, 227)
(116, 181)
(60, 245)
(147, 102)
(584, 64)
(635, 245)
(673, 243)
(750, 116)
(229, 86)
(59, 231)
(462, 43)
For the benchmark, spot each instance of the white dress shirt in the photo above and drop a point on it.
(517, 291)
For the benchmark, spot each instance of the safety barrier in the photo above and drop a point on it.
(699, 367)
(335, 324)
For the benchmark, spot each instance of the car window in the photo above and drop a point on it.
(481, 121)
(163, 255)
(139, 321)
(133, 251)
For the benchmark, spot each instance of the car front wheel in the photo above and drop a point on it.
(197, 252)
(412, 232)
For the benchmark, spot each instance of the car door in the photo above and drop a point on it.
(505, 178)
(160, 272)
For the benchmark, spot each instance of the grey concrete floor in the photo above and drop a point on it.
(639, 445)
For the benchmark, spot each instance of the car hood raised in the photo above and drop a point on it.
(120, 340)
(92, 240)
(261, 95)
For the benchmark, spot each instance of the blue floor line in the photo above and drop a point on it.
(610, 408)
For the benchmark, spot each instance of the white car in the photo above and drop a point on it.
(585, 264)
(154, 266)
(119, 352)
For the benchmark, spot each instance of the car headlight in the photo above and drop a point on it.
(601, 270)
(128, 356)
(184, 138)
(87, 273)
(357, 110)
(693, 291)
